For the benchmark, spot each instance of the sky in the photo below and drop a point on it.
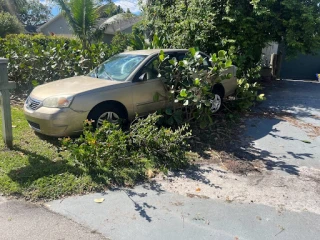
(125, 4)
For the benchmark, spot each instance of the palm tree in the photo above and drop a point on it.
(82, 16)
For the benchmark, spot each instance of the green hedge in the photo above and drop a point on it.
(38, 59)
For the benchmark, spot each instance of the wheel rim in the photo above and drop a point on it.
(108, 116)
(215, 103)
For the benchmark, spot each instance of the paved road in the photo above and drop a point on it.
(25, 221)
(148, 213)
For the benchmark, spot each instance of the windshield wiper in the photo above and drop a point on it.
(109, 76)
(96, 71)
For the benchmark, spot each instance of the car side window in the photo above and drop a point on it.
(181, 56)
(206, 63)
(151, 69)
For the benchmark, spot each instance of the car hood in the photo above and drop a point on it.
(70, 86)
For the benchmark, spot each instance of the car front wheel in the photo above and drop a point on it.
(106, 112)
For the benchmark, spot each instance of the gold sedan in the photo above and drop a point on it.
(121, 87)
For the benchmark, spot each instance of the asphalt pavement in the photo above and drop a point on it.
(27, 221)
(146, 212)
(290, 138)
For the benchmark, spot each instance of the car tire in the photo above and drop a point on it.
(107, 112)
(216, 102)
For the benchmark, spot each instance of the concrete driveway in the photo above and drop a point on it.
(292, 135)
(278, 199)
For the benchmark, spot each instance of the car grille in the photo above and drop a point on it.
(33, 104)
(34, 125)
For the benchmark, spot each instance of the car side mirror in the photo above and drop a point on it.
(142, 78)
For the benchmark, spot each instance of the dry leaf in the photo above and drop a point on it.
(149, 173)
(228, 200)
(14, 126)
(198, 189)
(99, 200)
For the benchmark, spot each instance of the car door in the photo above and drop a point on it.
(230, 84)
(144, 92)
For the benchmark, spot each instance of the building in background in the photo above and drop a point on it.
(121, 22)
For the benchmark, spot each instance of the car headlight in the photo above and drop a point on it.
(62, 101)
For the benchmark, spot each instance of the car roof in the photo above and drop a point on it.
(153, 51)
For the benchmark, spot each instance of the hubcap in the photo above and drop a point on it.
(107, 116)
(215, 103)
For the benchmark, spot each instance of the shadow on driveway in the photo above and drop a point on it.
(277, 132)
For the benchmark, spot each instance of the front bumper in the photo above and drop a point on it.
(57, 122)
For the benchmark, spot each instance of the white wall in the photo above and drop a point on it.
(270, 49)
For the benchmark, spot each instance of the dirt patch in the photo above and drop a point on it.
(191, 195)
(284, 192)
(240, 166)
(312, 130)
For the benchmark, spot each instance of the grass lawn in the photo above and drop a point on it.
(35, 170)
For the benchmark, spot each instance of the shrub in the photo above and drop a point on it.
(190, 83)
(38, 59)
(246, 95)
(9, 24)
(125, 157)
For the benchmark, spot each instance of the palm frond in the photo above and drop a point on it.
(82, 16)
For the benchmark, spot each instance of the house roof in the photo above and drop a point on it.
(52, 20)
(110, 25)
(119, 22)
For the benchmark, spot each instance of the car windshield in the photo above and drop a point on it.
(118, 67)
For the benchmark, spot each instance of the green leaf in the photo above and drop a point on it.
(35, 83)
(168, 111)
(228, 63)
(192, 51)
(172, 61)
(214, 58)
(161, 56)
(222, 54)
(183, 93)
(156, 41)
(261, 97)
(178, 117)
(229, 75)
(196, 82)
